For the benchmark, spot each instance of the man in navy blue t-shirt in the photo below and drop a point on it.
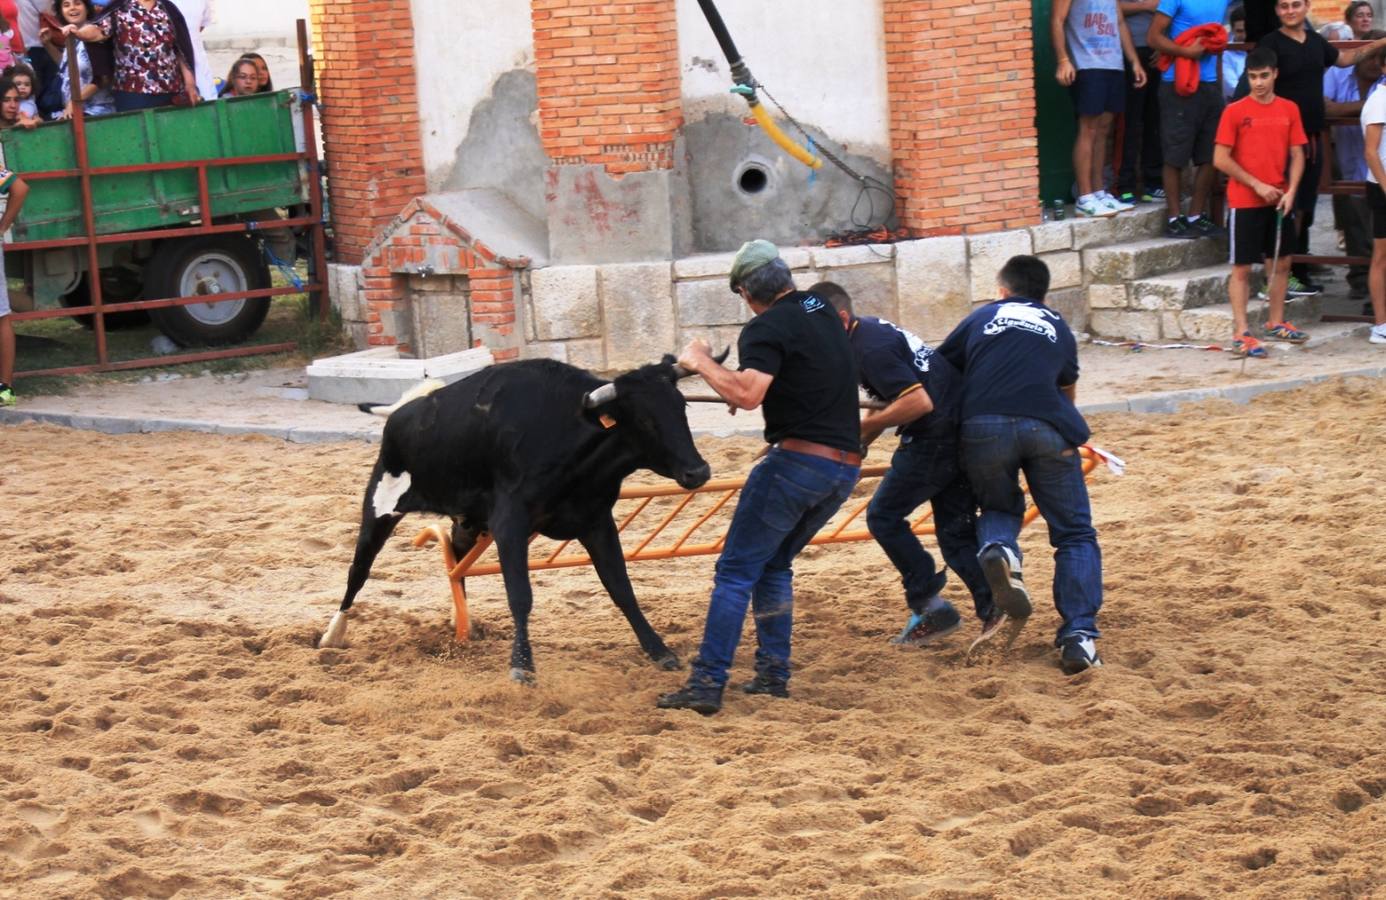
(922, 391)
(1020, 366)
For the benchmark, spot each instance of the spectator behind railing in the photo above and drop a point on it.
(262, 70)
(23, 77)
(1234, 61)
(10, 116)
(153, 51)
(8, 36)
(94, 72)
(242, 80)
(31, 13)
(1358, 16)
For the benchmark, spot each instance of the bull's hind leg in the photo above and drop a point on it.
(603, 544)
(375, 530)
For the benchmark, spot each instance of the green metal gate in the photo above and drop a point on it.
(1054, 119)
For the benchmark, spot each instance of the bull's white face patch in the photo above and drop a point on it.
(388, 492)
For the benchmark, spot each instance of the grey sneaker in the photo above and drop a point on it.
(1002, 571)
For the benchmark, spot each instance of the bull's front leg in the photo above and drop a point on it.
(511, 529)
(603, 544)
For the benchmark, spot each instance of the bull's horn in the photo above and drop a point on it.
(681, 372)
(604, 394)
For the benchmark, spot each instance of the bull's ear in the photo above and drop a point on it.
(604, 394)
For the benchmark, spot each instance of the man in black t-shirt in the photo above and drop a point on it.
(1020, 366)
(922, 391)
(797, 364)
(1302, 56)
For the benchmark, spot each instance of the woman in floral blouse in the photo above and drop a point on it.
(153, 51)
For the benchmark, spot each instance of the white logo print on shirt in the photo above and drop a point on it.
(1026, 318)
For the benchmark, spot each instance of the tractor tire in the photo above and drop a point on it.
(214, 264)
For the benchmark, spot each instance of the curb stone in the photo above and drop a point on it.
(1165, 403)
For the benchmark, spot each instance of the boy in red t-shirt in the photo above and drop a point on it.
(1258, 138)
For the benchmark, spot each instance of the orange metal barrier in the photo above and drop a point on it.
(718, 492)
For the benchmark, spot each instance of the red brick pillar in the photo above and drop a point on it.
(610, 109)
(364, 55)
(962, 114)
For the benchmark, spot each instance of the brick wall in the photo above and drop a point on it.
(962, 112)
(609, 82)
(363, 53)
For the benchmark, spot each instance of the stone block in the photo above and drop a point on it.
(1126, 325)
(872, 288)
(1107, 296)
(345, 292)
(638, 309)
(704, 265)
(932, 285)
(1072, 304)
(1065, 269)
(432, 283)
(709, 302)
(565, 302)
(440, 322)
(987, 253)
(797, 257)
(585, 354)
(1171, 329)
(719, 338)
(854, 255)
(1051, 236)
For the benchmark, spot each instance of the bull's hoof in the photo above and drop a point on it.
(522, 676)
(669, 662)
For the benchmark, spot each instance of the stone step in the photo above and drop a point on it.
(1188, 289)
(1205, 324)
(1150, 257)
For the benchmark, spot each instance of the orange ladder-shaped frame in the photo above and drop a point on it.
(835, 532)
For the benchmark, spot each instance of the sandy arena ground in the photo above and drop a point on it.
(168, 728)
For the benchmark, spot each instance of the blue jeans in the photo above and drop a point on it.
(995, 450)
(927, 469)
(787, 498)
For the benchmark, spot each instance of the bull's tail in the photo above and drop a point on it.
(422, 389)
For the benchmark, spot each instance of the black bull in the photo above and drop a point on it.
(531, 446)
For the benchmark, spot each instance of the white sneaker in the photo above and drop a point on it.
(1378, 334)
(1093, 205)
(1120, 205)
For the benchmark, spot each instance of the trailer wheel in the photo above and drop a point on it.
(118, 285)
(217, 264)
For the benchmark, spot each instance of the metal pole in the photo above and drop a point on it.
(79, 139)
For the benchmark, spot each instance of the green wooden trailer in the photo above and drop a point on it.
(132, 205)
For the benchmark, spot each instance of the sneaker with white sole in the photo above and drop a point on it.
(1377, 334)
(1002, 570)
(1120, 205)
(1078, 654)
(1094, 206)
(1293, 288)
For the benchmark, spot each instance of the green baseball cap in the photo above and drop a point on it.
(751, 256)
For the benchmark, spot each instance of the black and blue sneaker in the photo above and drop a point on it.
(1078, 654)
(929, 627)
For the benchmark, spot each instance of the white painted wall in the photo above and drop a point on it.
(823, 59)
(235, 19)
(461, 49)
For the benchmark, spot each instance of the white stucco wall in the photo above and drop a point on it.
(823, 59)
(462, 48)
(235, 19)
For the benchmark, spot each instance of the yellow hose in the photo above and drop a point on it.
(762, 117)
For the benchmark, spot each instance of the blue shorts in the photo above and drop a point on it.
(1098, 91)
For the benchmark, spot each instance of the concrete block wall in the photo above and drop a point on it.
(617, 316)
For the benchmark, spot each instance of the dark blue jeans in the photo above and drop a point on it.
(928, 469)
(995, 450)
(787, 498)
(125, 101)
